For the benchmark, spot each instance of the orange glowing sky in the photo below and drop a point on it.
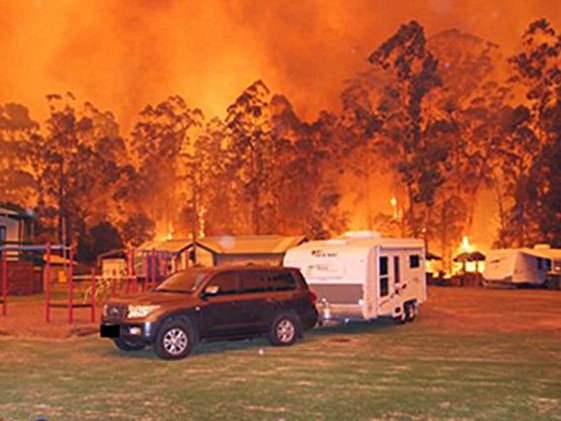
(124, 54)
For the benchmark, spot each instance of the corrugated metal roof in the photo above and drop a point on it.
(173, 246)
(4, 211)
(16, 211)
(250, 244)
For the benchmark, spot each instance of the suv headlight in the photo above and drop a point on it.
(140, 311)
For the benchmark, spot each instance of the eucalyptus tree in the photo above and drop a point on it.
(362, 124)
(310, 183)
(77, 169)
(550, 217)
(18, 132)
(161, 148)
(533, 133)
(465, 115)
(209, 205)
(251, 154)
(416, 158)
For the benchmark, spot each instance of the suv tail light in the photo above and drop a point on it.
(313, 296)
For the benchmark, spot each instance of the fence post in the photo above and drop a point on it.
(48, 285)
(70, 286)
(4, 282)
(134, 274)
(114, 284)
(93, 295)
(153, 268)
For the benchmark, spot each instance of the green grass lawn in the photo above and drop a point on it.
(379, 371)
(376, 371)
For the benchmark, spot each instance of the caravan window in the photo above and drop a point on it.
(414, 261)
(396, 273)
(544, 264)
(384, 278)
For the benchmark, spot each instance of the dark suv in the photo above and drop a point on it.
(203, 304)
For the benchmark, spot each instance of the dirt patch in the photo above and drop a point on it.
(466, 309)
(482, 309)
(28, 319)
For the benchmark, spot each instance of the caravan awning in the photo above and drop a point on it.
(554, 255)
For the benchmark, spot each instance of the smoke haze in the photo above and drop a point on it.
(122, 55)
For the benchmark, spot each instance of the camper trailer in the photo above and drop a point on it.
(363, 276)
(522, 266)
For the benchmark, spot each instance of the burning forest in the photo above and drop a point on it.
(434, 136)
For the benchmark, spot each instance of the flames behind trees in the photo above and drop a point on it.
(418, 114)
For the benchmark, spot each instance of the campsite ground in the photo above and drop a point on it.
(472, 353)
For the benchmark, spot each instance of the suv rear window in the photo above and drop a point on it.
(283, 281)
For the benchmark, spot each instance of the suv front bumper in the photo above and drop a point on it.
(143, 331)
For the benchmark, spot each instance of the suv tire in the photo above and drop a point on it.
(128, 344)
(174, 339)
(284, 330)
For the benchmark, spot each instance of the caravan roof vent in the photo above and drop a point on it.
(362, 234)
(542, 246)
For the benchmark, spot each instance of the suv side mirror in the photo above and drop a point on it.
(210, 290)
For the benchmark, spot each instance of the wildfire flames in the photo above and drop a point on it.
(123, 56)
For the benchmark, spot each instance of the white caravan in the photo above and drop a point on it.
(362, 276)
(521, 266)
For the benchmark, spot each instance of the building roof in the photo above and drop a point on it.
(172, 246)
(249, 244)
(15, 211)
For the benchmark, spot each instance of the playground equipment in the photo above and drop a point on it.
(47, 251)
(142, 271)
(15, 251)
(4, 283)
(134, 269)
(69, 302)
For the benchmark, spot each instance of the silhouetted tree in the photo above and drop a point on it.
(416, 157)
(251, 150)
(533, 130)
(159, 143)
(362, 123)
(464, 115)
(18, 133)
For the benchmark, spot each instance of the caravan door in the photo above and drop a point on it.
(389, 283)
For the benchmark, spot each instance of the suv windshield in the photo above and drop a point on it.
(184, 281)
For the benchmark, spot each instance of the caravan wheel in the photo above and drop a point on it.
(402, 318)
(410, 310)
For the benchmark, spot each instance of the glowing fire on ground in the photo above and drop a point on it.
(467, 266)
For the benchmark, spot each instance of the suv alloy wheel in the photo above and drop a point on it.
(284, 330)
(174, 340)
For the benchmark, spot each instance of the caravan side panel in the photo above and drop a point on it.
(336, 273)
(499, 266)
(346, 275)
(513, 266)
